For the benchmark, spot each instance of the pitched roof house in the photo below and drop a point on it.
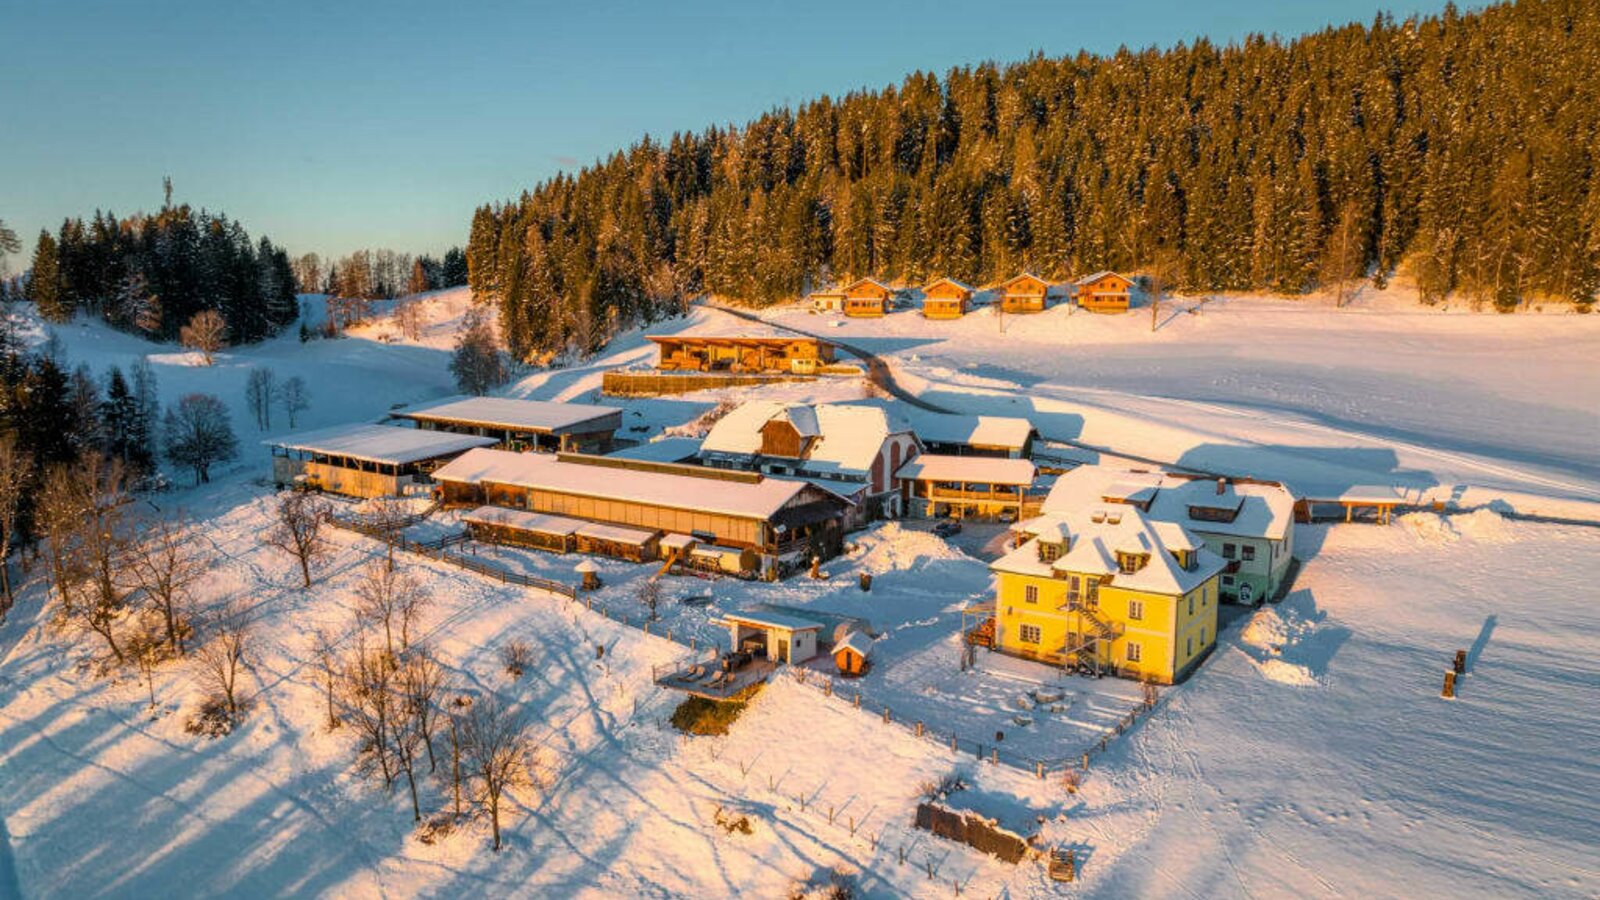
(853, 450)
(946, 298)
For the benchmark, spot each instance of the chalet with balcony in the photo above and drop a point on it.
(867, 298)
(737, 353)
(946, 298)
(1103, 292)
(1026, 293)
(965, 487)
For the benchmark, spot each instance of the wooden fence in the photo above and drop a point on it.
(652, 384)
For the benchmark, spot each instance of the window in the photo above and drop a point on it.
(1247, 552)
(1073, 589)
(1130, 563)
(1227, 581)
(1136, 609)
(1191, 604)
(1228, 551)
(1188, 647)
(1133, 651)
(1091, 596)
(1028, 634)
(1202, 637)
(1030, 593)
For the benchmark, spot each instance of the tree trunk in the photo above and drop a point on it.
(416, 808)
(305, 568)
(494, 817)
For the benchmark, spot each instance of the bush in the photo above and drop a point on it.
(732, 824)
(517, 656)
(697, 715)
(211, 720)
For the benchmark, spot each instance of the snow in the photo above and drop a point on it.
(506, 412)
(523, 520)
(969, 469)
(1261, 510)
(984, 431)
(756, 498)
(1311, 755)
(393, 444)
(1096, 537)
(850, 436)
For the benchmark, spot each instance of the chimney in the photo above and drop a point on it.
(1221, 484)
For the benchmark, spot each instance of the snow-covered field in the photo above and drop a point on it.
(1311, 756)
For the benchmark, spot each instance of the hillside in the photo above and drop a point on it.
(1310, 756)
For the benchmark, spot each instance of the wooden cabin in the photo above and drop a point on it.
(712, 353)
(946, 298)
(366, 460)
(1103, 292)
(535, 425)
(867, 298)
(1026, 293)
(827, 301)
(965, 486)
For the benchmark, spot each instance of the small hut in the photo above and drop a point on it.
(590, 574)
(851, 652)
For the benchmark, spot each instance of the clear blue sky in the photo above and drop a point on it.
(331, 127)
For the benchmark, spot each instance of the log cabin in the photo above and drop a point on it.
(1025, 293)
(946, 298)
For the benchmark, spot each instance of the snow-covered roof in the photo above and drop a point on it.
(389, 444)
(1356, 493)
(1097, 536)
(769, 619)
(667, 450)
(868, 281)
(981, 431)
(759, 499)
(971, 469)
(947, 280)
(849, 437)
(1101, 274)
(1263, 510)
(510, 413)
(678, 541)
(856, 642)
(615, 534)
(522, 520)
(1025, 276)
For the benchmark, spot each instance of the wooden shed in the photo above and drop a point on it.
(851, 654)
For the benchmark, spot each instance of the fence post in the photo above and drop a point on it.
(827, 688)
(919, 728)
(994, 755)
(858, 701)
(1039, 768)
(886, 714)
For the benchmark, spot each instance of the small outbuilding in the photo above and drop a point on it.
(851, 653)
(780, 637)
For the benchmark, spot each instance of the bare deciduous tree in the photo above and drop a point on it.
(388, 516)
(220, 659)
(298, 530)
(164, 563)
(294, 397)
(199, 435)
(391, 599)
(206, 332)
(16, 470)
(260, 393)
(328, 661)
(82, 509)
(497, 743)
(650, 596)
(408, 318)
(423, 680)
(369, 703)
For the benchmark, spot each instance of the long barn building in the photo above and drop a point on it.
(782, 522)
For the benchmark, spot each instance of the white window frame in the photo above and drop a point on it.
(1136, 610)
(1025, 629)
(1134, 651)
(1030, 593)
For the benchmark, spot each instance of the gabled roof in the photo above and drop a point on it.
(1025, 276)
(760, 498)
(510, 413)
(982, 431)
(1264, 510)
(388, 444)
(971, 469)
(1097, 536)
(849, 437)
(1101, 274)
(950, 281)
(872, 281)
(857, 642)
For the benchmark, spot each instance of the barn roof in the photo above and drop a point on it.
(388, 444)
(511, 413)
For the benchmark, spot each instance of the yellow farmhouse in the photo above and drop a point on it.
(945, 298)
(1108, 591)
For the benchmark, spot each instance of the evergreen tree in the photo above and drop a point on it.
(44, 281)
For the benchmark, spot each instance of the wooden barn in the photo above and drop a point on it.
(712, 353)
(867, 298)
(946, 298)
(365, 460)
(1026, 293)
(535, 425)
(632, 509)
(1103, 292)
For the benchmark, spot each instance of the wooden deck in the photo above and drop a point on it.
(706, 685)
